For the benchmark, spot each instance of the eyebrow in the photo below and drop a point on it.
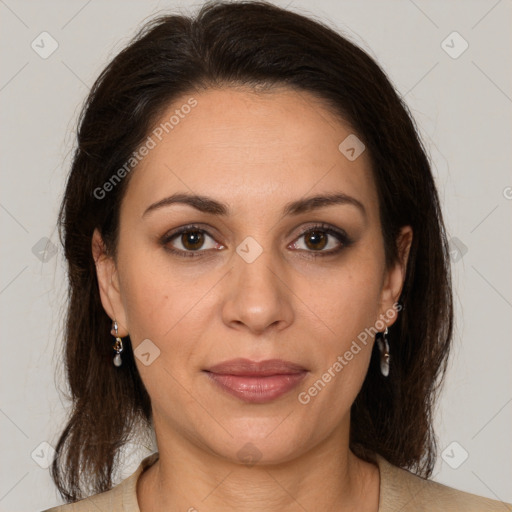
(209, 205)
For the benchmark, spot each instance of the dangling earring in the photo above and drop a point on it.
(383, 344)
(118, 345)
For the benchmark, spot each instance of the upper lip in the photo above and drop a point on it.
(248, 367)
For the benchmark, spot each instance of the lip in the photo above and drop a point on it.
(256, 382)
(249, 368)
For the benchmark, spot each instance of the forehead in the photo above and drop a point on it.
(247, 149)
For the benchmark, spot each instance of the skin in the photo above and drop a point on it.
(255, 152)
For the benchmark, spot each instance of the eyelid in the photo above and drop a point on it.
(322, 226)
(184, 229)
(338, 233)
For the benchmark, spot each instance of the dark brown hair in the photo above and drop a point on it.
(250, 44)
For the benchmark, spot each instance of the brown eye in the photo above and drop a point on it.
(192, 240)
(322, 240)
(316, 240)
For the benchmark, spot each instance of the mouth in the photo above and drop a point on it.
(256, 382)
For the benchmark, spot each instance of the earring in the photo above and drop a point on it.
(118, 345)
(383, 344)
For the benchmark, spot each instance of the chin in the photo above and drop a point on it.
(267, 441)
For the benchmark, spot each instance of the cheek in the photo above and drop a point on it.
(348, 310)
(345, 299)
(346, 306)
(145, 295)
(338, 300)
(145, 298)
(166, 305)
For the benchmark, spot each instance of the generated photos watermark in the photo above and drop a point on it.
(150, 143)
(363, 338)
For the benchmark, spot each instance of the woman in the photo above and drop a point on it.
(258, 272)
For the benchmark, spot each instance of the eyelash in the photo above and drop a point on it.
(340, 235)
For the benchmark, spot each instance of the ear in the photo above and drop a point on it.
(108, 282)
(395, 275)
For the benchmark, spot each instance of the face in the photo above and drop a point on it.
(254, 270)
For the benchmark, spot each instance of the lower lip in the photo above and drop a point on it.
(257, 389)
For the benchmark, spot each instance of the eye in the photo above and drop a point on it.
(322, 239)
(319, 240)
(189, 240)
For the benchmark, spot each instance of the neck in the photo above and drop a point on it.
(328, 477)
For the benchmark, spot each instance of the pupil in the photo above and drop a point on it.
(317, 237)
(192, 240)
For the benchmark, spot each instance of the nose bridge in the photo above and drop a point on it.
(253, 264)
(258, 296)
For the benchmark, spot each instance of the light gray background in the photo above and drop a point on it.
(463, 108)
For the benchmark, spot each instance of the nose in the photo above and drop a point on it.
(258, 297)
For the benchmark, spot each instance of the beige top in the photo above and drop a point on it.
(400, 491)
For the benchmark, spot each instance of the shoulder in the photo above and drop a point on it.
(122, 497)
(407, 492)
